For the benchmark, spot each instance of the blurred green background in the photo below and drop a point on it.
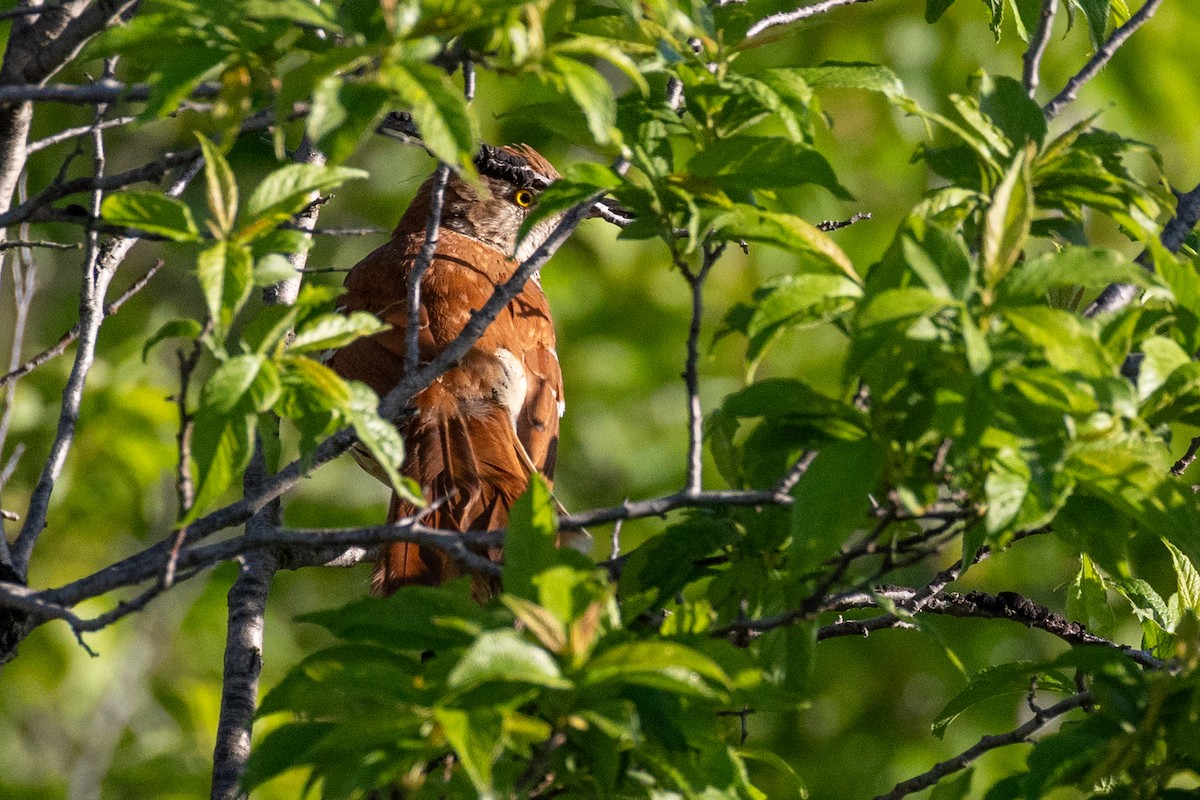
(138, 721)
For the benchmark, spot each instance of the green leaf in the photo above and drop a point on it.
(176, 328)
(661, 663)
(998, 680)
(504, 656)
(381, 439)
(1087, 599)
(412, 620)
(287, 747)
(220, 187)
(272, 269)
(753, 163)
(1161, 358)
(342, 113)
(476, 739)
(1147, 604)
(226, 274)
(151, 212)
(1067, 342)
(243, 384)
(529, 542)
(1007, 104)
(591, 94)
(852, 75)
(792, 785)
(609, 50)
(1096, 12)
(787, 231)
(792, 302)
(286, 191)
(1006, 223)
(299, 11)
(1089, 267)
(221, 449)
(953, 787)
(331, 331)
(832, 500)
(438, 108)
(1187, 578)
(935, 8)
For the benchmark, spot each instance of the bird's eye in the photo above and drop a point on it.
(523, 198)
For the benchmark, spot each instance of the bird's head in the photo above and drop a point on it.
(513, 177)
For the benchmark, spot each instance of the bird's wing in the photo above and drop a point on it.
(481, 428)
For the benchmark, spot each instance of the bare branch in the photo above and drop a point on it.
(1102, 57)
(152, 171)
(98, 271)
(1177, 469)
(9, 245)
(412, 325)
(71, 133)
(974, 604)
(788, 17)
(64, 341)
(92, 94)
(244, 645)
(962, 760)
(1037, 46)
(693, 483)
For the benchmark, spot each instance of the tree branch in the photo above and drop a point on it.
(64, 341)
(1018, 735)
(412, 324)
(1037, 46)
(1097, 61)
(788, 17)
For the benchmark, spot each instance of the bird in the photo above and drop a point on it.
(477, 433)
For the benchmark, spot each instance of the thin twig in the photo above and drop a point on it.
(1097, 61)
(82, 130)
(1037, 46)
(9, 245)
(64, 341)
(412, 324)
(1178, 469)
(151, 171)
(98, 271)
(962, 760)
(788, 17)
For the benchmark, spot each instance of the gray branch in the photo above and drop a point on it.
(1092, 68)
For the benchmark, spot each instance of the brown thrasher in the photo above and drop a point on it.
(477, 433)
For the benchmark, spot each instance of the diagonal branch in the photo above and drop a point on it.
(1021, 733)
(788, 17)
(1092, 68)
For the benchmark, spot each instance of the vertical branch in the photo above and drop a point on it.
(691, 373)
(97, 274)
(286, 291)
(412, 326)
(1037, 46)
(248, 595)
(24, 278)
(244, 645)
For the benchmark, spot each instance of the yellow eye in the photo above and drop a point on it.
(523, 198)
